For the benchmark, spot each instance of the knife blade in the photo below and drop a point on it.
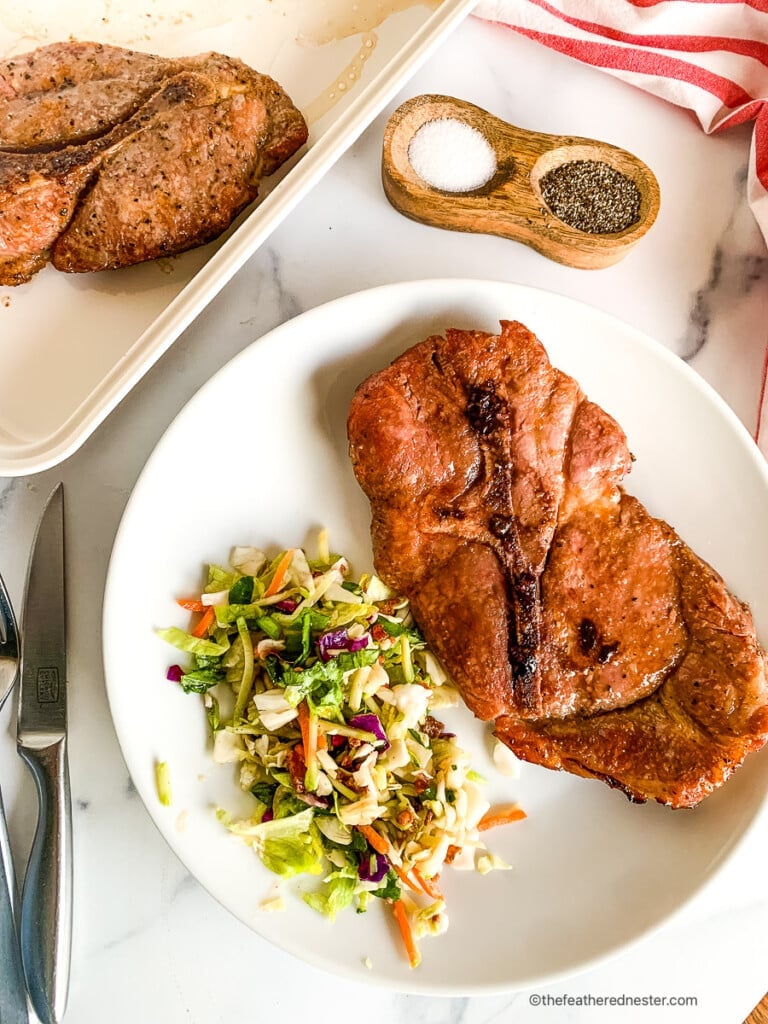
(46, 902)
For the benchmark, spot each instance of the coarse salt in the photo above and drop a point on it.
(452, 156)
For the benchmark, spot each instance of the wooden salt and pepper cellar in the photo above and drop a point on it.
(511, 204)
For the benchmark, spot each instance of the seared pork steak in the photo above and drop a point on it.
(109, 157)
(587, 629)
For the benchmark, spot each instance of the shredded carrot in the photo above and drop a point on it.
(322, 742)
(406, 880)
(191, 604)
(414, 957)
(500, 816)
(280, 572)
(429, 885)
(310, 741)
(378, 842)
(208, 618)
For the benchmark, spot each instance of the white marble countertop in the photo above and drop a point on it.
(149, 943)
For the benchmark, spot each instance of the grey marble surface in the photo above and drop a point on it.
(150, 944)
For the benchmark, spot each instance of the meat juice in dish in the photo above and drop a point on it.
(109, 157)
(593, 636)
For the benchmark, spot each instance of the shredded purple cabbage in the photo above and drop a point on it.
(288, 605)
(174, 673)
(268, 815)
(373, 867)
(372, 724)
(339, 640)
(312, 800)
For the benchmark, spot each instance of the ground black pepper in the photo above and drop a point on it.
(591, 196)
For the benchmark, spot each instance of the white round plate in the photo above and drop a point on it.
(259, 456)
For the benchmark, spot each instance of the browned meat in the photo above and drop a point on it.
(596, 639)
(68, 92)
(110, 157)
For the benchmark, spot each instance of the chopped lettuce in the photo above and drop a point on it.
(337, 893)
(241, 591)
(191, 644)
(287, 846)
(219, 579)
(201, 680)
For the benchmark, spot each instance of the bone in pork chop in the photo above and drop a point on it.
(587, 629)
(109, 157)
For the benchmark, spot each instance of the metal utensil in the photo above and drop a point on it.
(46, 902)
(13, 1007)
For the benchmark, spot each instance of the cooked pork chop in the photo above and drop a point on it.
(68, 92)
(587, 629)
(110, 157)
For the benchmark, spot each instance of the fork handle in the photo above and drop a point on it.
(46, 901)
(13, 1007)
(6, 857)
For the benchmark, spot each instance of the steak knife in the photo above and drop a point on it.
(46, 902)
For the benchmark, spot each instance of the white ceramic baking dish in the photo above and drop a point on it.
(72, 346)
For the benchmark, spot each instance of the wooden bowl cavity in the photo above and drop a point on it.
(400, 133)
(620, 160)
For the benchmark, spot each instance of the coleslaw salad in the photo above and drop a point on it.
(321, 690)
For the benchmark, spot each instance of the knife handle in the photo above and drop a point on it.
(13, 1006)
(46, 901)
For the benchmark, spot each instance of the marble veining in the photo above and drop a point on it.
(733, 273)
(698, 326)
(423, 1010)
(288, 303)
(150, 944)
(6, 489)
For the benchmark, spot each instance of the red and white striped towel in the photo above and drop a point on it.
(710, 56)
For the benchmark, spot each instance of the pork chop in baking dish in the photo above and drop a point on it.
(110, 157)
